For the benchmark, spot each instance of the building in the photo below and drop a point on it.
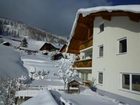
(65, 54)
(116, 48)
(73, 84)
(48, 47)
(43, 98)
(33, 46)
(24, 95)
(63, 48)
(81, 44)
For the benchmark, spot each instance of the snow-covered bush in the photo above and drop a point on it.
(7, 90)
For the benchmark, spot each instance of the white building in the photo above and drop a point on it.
(116, 49)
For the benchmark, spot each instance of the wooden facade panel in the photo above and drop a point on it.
(84, 63)
(86, 44)
(74, 46)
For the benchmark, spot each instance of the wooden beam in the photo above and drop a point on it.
(73, 51)
(135, 18)
(108, 15)
(83, 25)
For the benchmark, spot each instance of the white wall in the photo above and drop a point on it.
(113, 63)
(85, 74)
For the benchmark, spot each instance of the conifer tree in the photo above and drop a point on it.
(24, 43)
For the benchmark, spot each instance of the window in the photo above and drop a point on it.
(84, 76)
(123, 46)
(131, 82)
(100, 78)
(101, 27)
(125, 81)
(101, 48)
(136, 82)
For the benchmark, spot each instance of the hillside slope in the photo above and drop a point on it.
(19, 29)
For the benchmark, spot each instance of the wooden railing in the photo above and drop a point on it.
(83, 63)
(86, 44)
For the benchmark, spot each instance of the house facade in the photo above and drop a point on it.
(116, 61)
(48, 47)
(115, 49)
(81, 45)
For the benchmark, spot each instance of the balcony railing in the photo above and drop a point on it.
(86, 44)
(83, 63)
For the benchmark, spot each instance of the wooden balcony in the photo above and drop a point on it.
(83, 63)
(86, 44)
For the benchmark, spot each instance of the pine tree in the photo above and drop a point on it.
(24, 43)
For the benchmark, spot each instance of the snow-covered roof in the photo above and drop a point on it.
(76, 78)
(44, 98)
(125, 8)
(45, 83)
(28, 93)
(57, 45)
(88, 11)
(10, 63)
(12, 41)
(34, 45)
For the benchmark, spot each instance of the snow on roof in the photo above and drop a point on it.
(45, 83)
(87, 11)
(10, 63)
(57, 45)
(44, 98)
(76, 78)
(28, 93)
(125, 8)
(14, 42)
(34, 45)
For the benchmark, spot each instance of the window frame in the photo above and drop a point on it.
(133, 83)
(123, 80)
(121, 39)
(100, 55)
(130, 82)
(101, 27)
(101, 83)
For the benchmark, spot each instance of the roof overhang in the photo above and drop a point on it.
(83, 29)
(83, 25)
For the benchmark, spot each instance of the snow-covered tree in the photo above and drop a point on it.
(7, 91)
(65, 70)
(44, 73)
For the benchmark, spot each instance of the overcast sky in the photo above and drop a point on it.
(55, 16)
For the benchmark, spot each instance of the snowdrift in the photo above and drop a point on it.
(10, 63)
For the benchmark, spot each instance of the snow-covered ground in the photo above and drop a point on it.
(55, 84)
(39, 62)
(11, 65)
(44, 98)
(47, 86)
(11, 69)
(87, 97)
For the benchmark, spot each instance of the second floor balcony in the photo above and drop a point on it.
(83, 63)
